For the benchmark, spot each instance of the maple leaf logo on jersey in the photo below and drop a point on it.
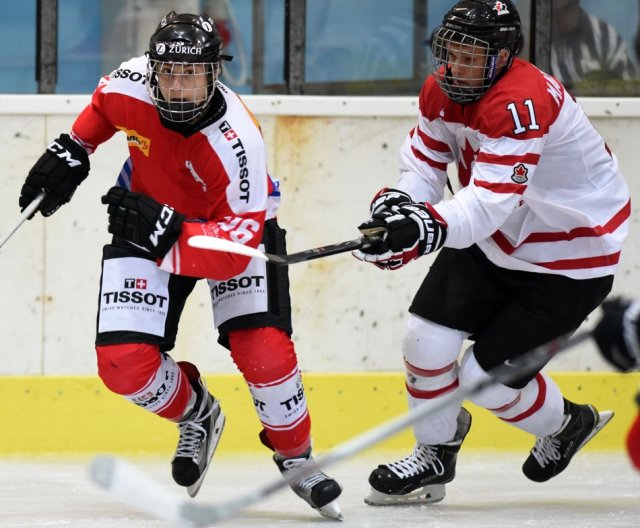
(520, 173)
(501, 8)
(467, 158)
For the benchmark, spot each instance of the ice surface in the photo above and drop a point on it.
(597, 490)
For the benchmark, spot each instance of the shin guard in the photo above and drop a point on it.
(145, 376)
(267, 360)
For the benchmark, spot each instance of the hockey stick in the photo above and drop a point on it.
(28, 211)
(221, 244)
(133, 487)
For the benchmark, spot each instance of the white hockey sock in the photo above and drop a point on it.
(538, 408)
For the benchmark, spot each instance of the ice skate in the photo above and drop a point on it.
(419, 478)
(318, 490)
(551, 454)
(200, 433)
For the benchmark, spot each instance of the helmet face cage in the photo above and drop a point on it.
(181, 91)
(463, 66)
(183, 66)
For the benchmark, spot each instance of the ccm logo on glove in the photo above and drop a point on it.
(143, 221)
(58, 172)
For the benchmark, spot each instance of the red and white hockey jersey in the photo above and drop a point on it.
(540, 189)
(216, 176)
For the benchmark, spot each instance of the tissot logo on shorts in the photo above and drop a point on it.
(134, 297)
(237, 283)
(139, 284)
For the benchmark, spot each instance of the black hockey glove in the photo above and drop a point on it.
(386, 198)
(143, 221)
(58, 172)
(411, 231)
(617, 334)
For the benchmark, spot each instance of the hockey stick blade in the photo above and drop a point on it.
(28, 211)
(224, 245)
(135, 488)
(220, 244)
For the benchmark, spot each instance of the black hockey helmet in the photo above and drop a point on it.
(473, 28)
(189, 47)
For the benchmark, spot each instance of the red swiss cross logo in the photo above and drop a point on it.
(520, 173)
(230, 135)
(501, 8)
(141, 284)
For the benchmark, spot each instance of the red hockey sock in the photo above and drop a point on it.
(267, 360)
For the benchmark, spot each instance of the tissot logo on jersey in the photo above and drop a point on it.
(238, 149)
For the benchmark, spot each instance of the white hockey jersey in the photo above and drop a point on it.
(540, 189)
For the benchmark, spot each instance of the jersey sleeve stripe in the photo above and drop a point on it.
(501, 188)
(496, 159)
(428, 160)
(433, 144)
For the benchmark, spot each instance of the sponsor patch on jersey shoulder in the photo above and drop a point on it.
(520, 173)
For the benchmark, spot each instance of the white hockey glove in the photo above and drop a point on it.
(412, 230)
(386, 198)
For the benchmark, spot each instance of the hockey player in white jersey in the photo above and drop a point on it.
(528, 245)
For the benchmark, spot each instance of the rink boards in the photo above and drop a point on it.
(79, 415)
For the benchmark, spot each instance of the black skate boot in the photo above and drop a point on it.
(318, 490)
(551, 454)
(420, 477)
(200, 433)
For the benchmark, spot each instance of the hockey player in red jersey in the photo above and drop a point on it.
(530, 243)
(197, 167)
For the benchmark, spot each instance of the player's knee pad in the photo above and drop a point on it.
(145, 376)
(266, 357)
(430, 351)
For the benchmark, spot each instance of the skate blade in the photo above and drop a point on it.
(604, 418)
(425, 495)
(215, 439)
(331, 511)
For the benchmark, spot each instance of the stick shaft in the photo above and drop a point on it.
(320, 252)
(28, 211)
